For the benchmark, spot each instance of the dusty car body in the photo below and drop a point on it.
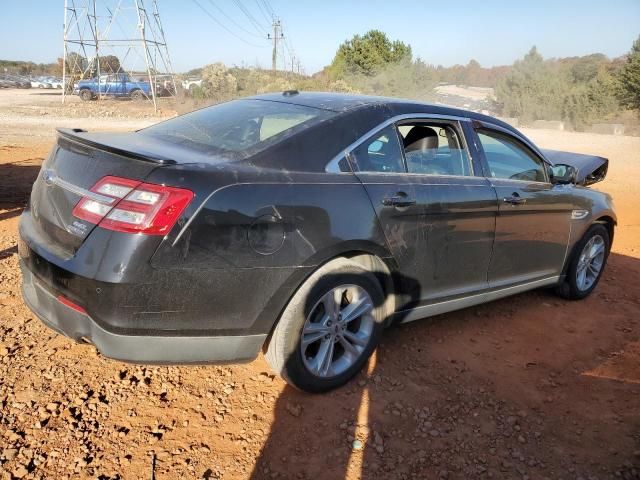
(412, 196)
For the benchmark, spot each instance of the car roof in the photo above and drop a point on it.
(342, 103)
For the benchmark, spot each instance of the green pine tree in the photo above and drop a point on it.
(629, 79)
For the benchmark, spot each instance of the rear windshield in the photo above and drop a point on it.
(237, 126)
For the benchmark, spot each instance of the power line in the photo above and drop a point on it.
(291, 51)
(270, 11)
(261, 35)
(257, 25)
(224, 26)
(263, 11)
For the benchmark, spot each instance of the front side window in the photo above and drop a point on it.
(380, 153)
(434, 148)
(510, 159)
(237, 126)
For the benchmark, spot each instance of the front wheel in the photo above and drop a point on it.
(86, 95)
(329, 328)
(587, 264)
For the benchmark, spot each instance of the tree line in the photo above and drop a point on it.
(577, 90)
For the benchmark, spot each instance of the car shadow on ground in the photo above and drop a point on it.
(498, 390)
(16, 181)
(49, 92)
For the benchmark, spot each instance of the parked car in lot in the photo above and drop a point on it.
(302, 224)
(113, 85)
(54, 82)
(14, 81)
(39, 83)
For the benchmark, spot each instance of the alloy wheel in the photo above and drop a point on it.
(590, 263)
(337, 330)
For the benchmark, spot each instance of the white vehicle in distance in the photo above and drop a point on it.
(54, 82)
(40, 82)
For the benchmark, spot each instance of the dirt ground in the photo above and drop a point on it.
(529, 387)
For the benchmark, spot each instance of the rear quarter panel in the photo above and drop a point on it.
(292, 222)
(254, 238)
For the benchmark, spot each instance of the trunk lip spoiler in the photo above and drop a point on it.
(71, 134)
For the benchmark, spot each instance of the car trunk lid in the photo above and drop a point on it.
(76, 163)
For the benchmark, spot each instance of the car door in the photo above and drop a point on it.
(379, 165)
(119, 84)
(458, 208)
(107, 84)
(533, 222)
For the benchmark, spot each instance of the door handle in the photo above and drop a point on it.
(400, 199)
(515, 199)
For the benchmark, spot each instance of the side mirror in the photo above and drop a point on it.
(562, 174)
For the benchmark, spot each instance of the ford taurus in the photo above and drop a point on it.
(300, 224)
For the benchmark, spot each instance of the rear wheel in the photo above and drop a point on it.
(329, 328)
(86, 95)
(586, 266)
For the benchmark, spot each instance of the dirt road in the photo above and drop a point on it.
(527, 387)
(32, 115)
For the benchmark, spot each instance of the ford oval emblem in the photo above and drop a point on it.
(49, 177)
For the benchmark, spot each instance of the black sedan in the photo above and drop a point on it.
(301, 224)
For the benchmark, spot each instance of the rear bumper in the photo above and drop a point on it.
(145, 349)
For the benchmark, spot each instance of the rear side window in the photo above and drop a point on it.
(434, 148)
(510, 159)
(237, 126)
(380, 153)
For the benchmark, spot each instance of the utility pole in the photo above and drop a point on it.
(277, 35)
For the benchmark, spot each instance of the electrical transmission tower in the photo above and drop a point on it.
(108, 37)
(277, 35)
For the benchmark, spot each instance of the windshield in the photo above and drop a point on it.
(237, 126)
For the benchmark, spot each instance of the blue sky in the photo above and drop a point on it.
(494, 32)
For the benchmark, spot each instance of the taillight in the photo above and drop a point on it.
(126, 205)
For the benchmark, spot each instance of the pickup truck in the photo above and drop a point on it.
(115, 85)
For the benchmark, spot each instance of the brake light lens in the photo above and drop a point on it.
(126, 205)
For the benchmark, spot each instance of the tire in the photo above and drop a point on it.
(86, 95)
(137, 95)
(572, 288)
(285, 349)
